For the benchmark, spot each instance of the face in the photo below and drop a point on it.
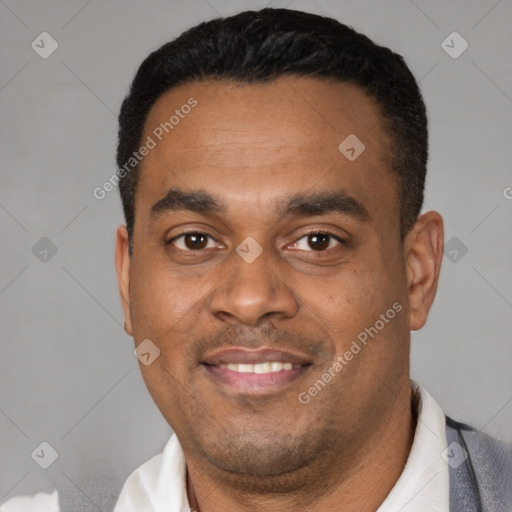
(260, 244)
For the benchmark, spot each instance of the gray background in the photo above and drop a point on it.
(67, 372)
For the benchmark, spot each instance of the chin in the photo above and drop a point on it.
(260, 455)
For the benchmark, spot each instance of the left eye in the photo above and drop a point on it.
(192, 241)
(317, 242)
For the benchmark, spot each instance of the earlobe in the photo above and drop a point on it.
(123, 274)
(423, 256)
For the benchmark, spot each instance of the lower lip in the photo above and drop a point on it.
(255, 383)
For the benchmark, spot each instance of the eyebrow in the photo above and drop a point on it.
(325, 203)
(195, 201)
(308, 204)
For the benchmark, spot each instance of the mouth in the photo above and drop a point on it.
(255, 372)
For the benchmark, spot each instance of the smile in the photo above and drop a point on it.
(254, 371)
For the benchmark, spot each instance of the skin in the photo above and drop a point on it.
(252, 147)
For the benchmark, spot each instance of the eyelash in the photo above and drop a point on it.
(315, 232)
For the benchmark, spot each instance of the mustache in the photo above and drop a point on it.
(314, 344)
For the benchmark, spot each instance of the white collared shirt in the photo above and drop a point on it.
(159, 485)
(424, 484)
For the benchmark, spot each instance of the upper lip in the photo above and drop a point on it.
(242, 355)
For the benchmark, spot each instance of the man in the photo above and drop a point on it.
(273, 263)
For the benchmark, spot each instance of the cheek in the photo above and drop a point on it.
(169, 310)
(161, 300)
(352, 299)
(340, 298)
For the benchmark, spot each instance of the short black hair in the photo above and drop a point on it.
(260, 46)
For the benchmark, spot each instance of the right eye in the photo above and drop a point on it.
(191, 241)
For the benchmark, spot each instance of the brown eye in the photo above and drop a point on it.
(320, 241)
(193, 241)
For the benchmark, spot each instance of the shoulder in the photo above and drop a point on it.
(480, 468)
(482, 447)
(159, 483)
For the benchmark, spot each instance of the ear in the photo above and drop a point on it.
(123, 274)
(423, 248)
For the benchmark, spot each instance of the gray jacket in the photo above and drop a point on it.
(483, 482)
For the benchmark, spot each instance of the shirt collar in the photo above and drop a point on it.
(423, 485)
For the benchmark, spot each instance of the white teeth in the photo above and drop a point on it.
(262, 367)
(266, 367)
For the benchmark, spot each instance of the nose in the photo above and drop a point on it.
(253, 293)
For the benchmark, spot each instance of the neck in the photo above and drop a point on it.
(360, 480)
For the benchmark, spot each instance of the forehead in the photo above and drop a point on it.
(267, 137)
